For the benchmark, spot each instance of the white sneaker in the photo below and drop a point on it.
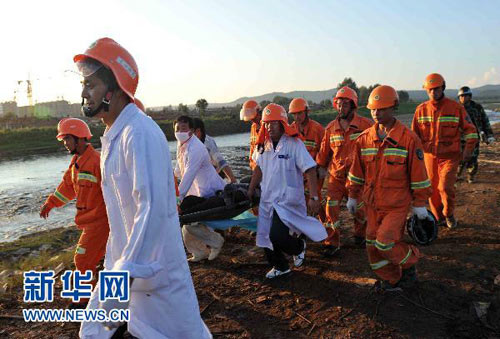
(274, 273)
(195, 258)
(214, 253)
(298, 260)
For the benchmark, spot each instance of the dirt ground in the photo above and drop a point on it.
(330, 298)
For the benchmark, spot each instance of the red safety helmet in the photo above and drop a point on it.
(249, 110)
(113, 56)
(73, 126)
(298, 105)
(383, 97)
(348, 93)
(433, 80)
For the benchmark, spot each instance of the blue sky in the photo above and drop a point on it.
(222, 50)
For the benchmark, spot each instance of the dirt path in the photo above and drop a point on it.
(333, 298)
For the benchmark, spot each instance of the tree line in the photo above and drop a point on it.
(362, 91)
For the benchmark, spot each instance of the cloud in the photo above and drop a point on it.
(472, 82)
(491, 76)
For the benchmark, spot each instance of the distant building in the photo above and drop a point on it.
(51, 109)
(56, 109)
(8, 107)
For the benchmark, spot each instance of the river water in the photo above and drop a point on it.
(27, 181)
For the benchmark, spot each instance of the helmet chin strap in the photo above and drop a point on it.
(104, 105)
(75, 143)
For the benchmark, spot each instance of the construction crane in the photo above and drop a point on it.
(29, 90)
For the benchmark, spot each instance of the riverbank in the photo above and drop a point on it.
(41, 139)
(325, 298)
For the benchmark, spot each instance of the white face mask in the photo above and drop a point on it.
(182, 136)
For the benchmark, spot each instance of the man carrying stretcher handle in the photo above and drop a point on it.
(281, 161)
(198, 180)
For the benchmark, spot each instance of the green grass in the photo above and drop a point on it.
(327, 115)
(41, 140)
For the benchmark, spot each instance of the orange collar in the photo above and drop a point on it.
(354, 124)
(394, 135)
(80, 160)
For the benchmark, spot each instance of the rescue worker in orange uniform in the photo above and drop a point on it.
(440, 122)
(251, 111)
(336, 155)
(312, 134)
(388, 174)
(82, 180)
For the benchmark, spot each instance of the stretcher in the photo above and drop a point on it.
(230, 209)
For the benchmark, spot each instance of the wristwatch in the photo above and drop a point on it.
(315, 198)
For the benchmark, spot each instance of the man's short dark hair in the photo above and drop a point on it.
(198, 123)
(184, 119)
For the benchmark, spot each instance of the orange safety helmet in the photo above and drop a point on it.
(348, 93)
(73, 126)
(249, 110)
(433, 80)
(275, 112)
(383, 97)
(140, 105)
(113, 56)
(298, 105)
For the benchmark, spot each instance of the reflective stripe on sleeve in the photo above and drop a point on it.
(61, 197)
(379, 265)
(420, 184)
(405, 259)
(425, 118)
(383, 247)
(369, 151)
(87, 176)
(332, 203)
(355, 179)
(471, 136)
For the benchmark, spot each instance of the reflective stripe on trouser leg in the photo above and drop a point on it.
(360, 221)
(387, 253)
(336, 192)
(435, 203)
(91, 248)
(447, 177)
(332, 223)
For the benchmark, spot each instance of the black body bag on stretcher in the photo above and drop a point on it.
(226, 204)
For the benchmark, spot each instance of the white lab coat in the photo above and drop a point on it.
(283, 190)
(198, 175)
(215, 156)
(145, 236)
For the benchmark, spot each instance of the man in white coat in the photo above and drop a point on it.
(138, 190)
(282, 159)
(198, 178)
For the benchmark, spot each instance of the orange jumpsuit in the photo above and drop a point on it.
(336, 153)
(82, 180)
(312, 136)
(389, 176)
(254, 133)
(440, 126)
